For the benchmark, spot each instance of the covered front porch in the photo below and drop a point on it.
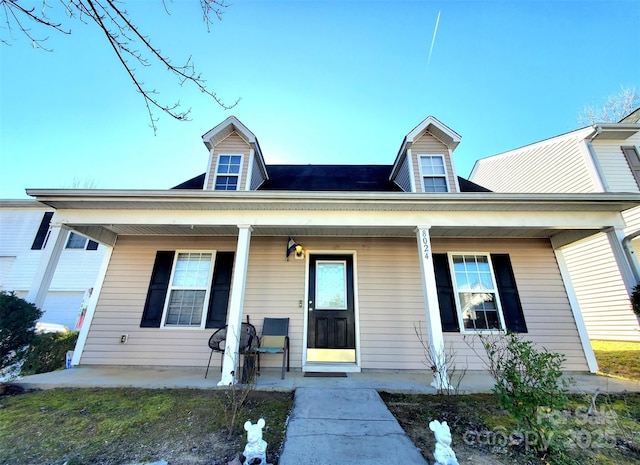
(406, 381)
(373, 230)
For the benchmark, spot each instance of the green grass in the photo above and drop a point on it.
(115, 426)
(620, 359)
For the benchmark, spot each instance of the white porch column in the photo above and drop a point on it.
(48, 263)
(236, 304)
(432, 309)
(616, 238)
(575, 309)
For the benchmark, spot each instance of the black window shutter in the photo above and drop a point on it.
(92, 245)
(511, 307)
(446, 298)
(41, 235)
(152, 314)
(220, 290)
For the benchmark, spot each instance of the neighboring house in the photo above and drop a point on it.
(24, 230)
(600, 158)
(386, 249)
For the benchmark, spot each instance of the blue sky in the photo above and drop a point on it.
(319, 82)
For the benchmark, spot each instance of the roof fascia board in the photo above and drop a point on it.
(337, 219)
(21, 203)
(610, 130)
(89, 198)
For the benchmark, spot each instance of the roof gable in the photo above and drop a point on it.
(224, 129)
(437, 129)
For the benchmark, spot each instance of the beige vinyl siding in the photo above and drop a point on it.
(233, 144)
(121, 302)
(275, 287)
(388, 295)
(557, 165)
(429, 145)
(403, 177)
(544, 300)
(600, 291)
(615, 169)
(257, 177)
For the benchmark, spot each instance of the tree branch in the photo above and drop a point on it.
(123, 37)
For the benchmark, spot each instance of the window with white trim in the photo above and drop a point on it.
(228, 173)
(188, 291)
(476, 293)
(433, 173)
(76, 241)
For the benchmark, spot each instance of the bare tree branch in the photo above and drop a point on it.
(613, 110)
(124, 37)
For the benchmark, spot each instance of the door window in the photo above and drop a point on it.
(331, 285)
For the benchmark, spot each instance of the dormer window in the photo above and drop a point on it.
(228, 173)
(433, 173)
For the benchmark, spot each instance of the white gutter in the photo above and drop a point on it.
(631, 254)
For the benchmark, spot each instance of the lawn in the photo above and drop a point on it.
(115, 426)
(484, 434)
(620, 359)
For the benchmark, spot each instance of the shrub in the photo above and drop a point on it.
(17, 323)
(48, 352)
(635, 299)
(528, 385)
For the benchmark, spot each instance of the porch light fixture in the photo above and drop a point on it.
(294, 247)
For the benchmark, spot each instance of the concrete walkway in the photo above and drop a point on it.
(336, 426)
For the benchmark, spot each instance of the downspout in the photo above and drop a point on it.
(594, 159)
(631, 254)
(633, 260)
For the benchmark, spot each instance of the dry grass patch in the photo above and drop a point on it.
(115, 426)
(484, 434)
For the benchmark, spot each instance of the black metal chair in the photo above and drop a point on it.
(248, 342)
(275, 340)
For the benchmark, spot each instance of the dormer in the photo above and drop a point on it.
(424, 162)
(235, 158)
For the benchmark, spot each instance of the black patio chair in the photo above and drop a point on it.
(248, 342)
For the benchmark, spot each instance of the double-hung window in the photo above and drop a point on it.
(476, 292)
(188, 289)
(228, 172)
(433, 173)
(76, 241)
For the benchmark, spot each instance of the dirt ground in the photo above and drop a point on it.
(477, 443)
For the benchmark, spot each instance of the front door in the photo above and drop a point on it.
(331, 326)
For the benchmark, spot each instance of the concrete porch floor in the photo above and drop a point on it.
(408, 381)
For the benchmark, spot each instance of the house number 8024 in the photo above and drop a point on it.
(425, 244)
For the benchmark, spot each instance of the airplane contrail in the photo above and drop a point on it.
(433, 40)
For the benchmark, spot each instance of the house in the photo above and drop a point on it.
(24, 227)
(384, 249)
(600, 158)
